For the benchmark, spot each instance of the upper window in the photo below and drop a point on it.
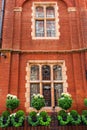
(45, 20)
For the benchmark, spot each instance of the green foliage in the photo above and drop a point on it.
(44, 119)
(74, 113)
(84, 112)
(62, 113)
(12, 104)
(17, 118)
(85, 102)
(65, 101)
(37, 101)
(20, 113)
(33, 119)
(63, 118)
(84, 117)
(75, 118)
(5, 114)
(17, 122)
(4, 122)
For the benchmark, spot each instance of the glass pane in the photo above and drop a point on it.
(58, 89)
(50, 12)
(34, 89)
(50, 28)
(45, 72)
(47, 94)
(34, 74)
(39, 28)
(39, 12)
(57, 72)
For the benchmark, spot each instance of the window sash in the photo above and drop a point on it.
(41, 30)
(52, 101)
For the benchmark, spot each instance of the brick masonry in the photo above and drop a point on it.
(17, 35)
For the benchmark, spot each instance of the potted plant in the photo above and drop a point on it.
(17, 119)
(12, 102)
(84, 117)
(5, 119)
(63, 117)
(37, 101)
(33, 118)
(75, 118)
(85, 102)
(65, 101)
(44, 119)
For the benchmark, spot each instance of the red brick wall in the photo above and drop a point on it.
(17, 35)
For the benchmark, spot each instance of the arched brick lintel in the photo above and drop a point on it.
(21, 2)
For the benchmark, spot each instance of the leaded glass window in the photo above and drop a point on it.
(57, 72)
(50, 12)
(39, 12)
(45, 72)
(34, 89)
(50, 28)
(39, 28)
(34, 73)
(45, 20)
(46, 79)
(47, 94)
(58, 89)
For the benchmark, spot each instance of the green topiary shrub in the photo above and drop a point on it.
(33, 118)
(75, 118)
(12, 102)
(5, 119)
(17, 119)
(84, 112)
(44, 119)
(63, 117)
(85, 102)
(37, 101)
(20, 113)
(65, 101)
(84, 117)
(5, 114)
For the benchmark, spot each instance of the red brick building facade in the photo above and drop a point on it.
(23, 49)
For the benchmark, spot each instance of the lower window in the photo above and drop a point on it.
(48, 79)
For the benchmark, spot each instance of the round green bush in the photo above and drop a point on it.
(84, 117)
(63, 117)
(33, 119)
(37, 101)
(44, 119)
(75, 118)
(17, 121)
(20, 113)
(84, 112)
(12, 104)
(5, 114)
(65, 101)
(85, 102)
(4, 122)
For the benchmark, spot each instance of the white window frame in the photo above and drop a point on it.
(47, 4)
(27, 85)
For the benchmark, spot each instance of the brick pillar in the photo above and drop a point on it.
(8, 24)
(17, 28)
(4, 79)
(78, 69)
